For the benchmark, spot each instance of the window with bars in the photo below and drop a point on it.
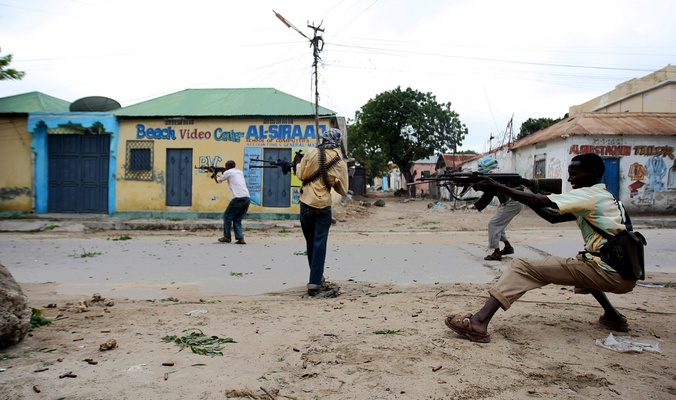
(540, 167)
(139, 165)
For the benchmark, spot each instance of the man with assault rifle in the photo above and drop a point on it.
(589, 203)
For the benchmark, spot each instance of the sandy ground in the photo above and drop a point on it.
(372, 341)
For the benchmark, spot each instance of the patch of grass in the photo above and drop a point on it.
(237, 274)
(284, 230)
(389, 332)
(425, 223)
(44, 228)
(300, 253)
(38, 319)
(86, 254)
(199, 343)
(123, 237)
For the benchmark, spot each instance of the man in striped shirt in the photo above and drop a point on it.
(588, 200)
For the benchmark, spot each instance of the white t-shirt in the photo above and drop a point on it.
(235, 179)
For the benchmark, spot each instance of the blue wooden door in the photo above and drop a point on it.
(179, 177)
(78, 173)
(612, 176)
(276, 185)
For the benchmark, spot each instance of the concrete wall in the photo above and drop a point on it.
(213, 142)
(647, 166)
(16, 155)
(655, 92)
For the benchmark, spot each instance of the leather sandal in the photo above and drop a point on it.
(463, 327)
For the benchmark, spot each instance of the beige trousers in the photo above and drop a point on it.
(527, 274)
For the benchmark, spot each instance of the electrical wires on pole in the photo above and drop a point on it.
(317, 44)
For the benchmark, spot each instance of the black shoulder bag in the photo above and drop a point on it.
(623, 252)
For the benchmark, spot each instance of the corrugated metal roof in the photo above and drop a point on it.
(32, 102)
(250, 102)
(612, 124)
(456, 160)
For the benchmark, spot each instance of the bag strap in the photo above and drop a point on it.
(623, 211)
(627, 221)
(598, 230)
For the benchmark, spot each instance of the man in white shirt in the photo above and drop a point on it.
(239, 204)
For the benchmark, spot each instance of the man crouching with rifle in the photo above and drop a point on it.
(588, 203)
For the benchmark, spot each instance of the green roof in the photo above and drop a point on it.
(32, 102)
(257, 102)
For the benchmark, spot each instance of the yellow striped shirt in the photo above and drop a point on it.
(598, 206)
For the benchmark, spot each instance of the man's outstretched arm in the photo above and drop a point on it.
(539, 203)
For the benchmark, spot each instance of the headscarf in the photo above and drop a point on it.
(487, 164)
(331, 139)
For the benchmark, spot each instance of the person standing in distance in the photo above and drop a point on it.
(320, 170)
(507, 210)
(238, 205)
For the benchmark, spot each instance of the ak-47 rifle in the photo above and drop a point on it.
(285, 165)
(465, 180)
(212, 169)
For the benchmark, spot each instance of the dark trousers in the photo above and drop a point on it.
(233, 216)
(315, 223)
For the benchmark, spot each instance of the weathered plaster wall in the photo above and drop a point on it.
(213, 142)
(16, 179)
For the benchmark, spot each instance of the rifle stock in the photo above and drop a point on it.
(467, 179)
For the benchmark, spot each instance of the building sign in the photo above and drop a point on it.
(663, 151)
(272, 135)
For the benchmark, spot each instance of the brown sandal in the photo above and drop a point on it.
(463, 327)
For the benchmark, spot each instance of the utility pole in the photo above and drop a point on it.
(317, 44)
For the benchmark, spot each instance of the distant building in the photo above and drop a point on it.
(146, 160)
(637, 146)
(17, 188)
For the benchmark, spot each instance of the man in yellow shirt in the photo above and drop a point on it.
(321, 170)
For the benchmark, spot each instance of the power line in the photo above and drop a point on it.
(317, 44)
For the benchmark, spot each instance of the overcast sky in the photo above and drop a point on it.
(491, 59)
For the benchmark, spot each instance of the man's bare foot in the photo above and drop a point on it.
(614, 322)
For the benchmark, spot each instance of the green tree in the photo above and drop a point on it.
(371, 158)
(407, 125)
(532, 125)
(6, 72)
